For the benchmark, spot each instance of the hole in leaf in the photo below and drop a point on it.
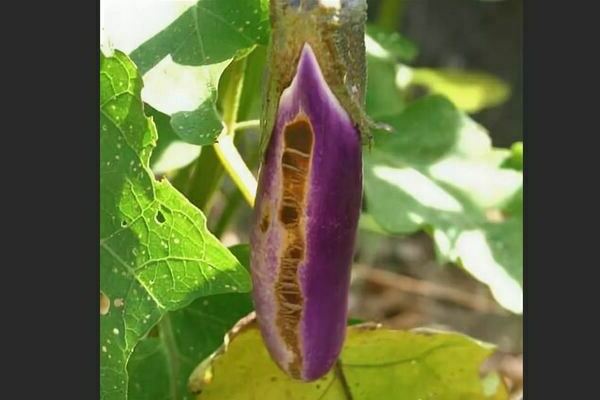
(124, 224)
(160, 217)
(104, 304)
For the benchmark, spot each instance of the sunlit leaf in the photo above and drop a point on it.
(156, 254)
(160, 366)
(384, 51)
(439, 173)
(389, 45)
(515, 160)
(182, 49)
(470, 91)
(376, 363)
(170, 153)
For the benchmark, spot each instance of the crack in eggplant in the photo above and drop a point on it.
(295, 167)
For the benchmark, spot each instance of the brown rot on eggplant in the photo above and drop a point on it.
(310, 185)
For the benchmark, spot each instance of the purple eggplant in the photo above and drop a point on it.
(307, 207)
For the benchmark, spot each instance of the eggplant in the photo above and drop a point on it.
(310, 182)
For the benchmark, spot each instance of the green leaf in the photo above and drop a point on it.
(384, 96)
(186, 337)
(250, 106)
(377, 364)
(188, 95)
(148, 373)
(470, 91)
(183, 62)
(515, 161)
(439, 173)
(125, 25)
(156, 254)
(170, 153)
(389, 45)
(160, 366)
(209, 32)
(367, 223)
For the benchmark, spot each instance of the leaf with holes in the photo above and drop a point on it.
(438, 172)
(156, 254)
(160, 366)
(375, 364)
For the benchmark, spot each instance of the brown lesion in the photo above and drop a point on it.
(295, 167)
(289, 213)
(264, 222)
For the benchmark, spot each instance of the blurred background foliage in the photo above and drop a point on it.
(408, 287)
(479, 35)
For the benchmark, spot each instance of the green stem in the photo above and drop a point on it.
(234, 199)
(251, 124)
(233, 93)
(224, 147)
(235, 166)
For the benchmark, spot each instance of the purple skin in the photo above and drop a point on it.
(313, 162)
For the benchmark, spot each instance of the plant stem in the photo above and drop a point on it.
(224, 147)
(233, 93)
(251, 124)
(234, 199)
(236, 168)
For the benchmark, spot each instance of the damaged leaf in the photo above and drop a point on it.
(376, 363)
(156, 254)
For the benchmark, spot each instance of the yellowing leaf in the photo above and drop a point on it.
(376, 363)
